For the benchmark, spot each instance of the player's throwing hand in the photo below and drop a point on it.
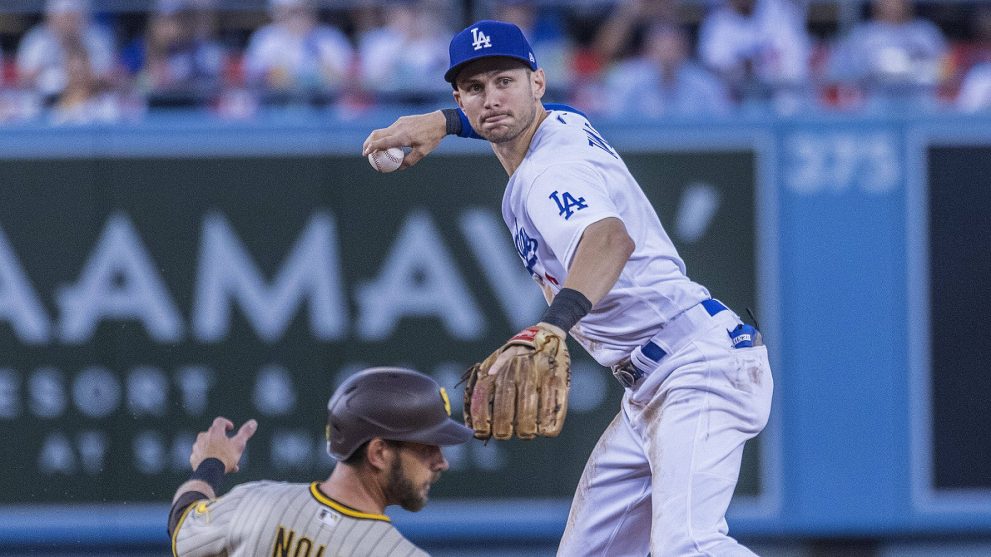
(214, 443)
(422, 133)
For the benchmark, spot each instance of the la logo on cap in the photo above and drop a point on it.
(480, 40)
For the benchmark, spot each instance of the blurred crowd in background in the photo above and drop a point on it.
(80, 61)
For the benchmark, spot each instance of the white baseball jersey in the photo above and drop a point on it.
(266, 519)
(571, 178)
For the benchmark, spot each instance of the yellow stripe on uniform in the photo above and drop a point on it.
(185, 513)
(348, 511)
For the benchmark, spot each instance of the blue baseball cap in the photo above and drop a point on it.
(485, 39)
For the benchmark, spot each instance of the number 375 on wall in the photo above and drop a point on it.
(842, 161)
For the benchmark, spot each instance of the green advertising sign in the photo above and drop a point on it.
(139, 298)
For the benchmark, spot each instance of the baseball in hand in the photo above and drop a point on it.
(388, 160)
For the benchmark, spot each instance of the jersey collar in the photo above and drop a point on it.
(341, 508)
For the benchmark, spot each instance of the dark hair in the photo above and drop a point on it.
(360, 455)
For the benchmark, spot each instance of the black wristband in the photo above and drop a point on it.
(567, 309)
(210, 471)
(453, 121)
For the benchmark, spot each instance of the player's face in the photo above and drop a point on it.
(500, 97)
(415, 468)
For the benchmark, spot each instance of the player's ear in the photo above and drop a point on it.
(378, 455)
(457, 98)
(539, 83)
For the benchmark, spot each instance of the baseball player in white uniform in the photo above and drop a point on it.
(697, 380)
(385, 427)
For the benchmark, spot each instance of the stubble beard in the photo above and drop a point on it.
(401, 491)
(512, 132)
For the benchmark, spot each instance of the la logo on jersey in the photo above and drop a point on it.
(480, 40)
(567, 204)
(526, 247)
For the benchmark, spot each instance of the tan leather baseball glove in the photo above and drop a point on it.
(522, 387)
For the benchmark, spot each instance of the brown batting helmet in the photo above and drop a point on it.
(393, 403)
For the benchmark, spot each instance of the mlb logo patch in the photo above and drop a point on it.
(329, 518)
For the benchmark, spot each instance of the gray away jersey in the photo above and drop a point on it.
(275, 519)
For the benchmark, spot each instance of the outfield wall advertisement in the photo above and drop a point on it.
(141, 297)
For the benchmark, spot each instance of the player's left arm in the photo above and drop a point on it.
(214, 454)
(532, 398)
(574, 212)
(601, 247)
(602, 252)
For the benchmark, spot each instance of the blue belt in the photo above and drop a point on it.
(655, 352)
(743, 336)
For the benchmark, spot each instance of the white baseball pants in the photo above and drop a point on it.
(661, 477)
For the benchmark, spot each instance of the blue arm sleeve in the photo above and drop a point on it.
(466, 129)
(469, 132)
